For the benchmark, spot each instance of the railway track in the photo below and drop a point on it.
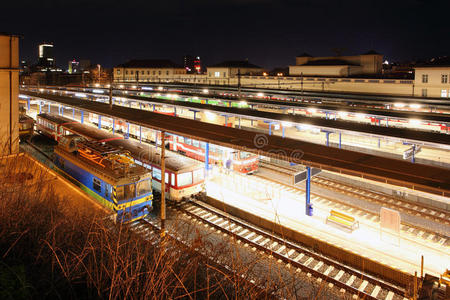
(386, 200)
(397, 203)
(324, 269)
(408, 228)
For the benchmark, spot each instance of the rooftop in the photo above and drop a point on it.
(443, 61)
(235, 64)
(329, 62)
(150, 63)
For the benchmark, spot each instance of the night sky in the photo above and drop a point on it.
(269, 33)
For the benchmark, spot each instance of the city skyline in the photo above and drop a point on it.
(268, 33)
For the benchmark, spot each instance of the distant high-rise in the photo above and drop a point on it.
(46, 58)
(192, 64)
(73, 67)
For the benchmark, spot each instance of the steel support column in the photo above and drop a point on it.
(175, 111)
(49, 107)
(379, 143)
(114, 125)
(153, 107)
(62, 110)
(99, 122)
(239, 122)
(413, 156)
(282, 129)
(308, 206)
(28, 104)
(128, 131)
(140, 105)
(328, 138)
(40, 107)
(207, 158)
(270, 128)
(82, 117)
(140, 134)
(340, 140)
(73, 113)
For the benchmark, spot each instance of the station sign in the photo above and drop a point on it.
(301, 176)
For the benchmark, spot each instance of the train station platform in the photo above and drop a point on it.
(262, 198)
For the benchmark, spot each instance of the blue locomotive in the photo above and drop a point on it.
(108, 174)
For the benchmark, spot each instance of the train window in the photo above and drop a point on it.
(181, 139)
(107, 190)
(187, 141)
(203, 145)
(184, 179)
(156, 173)
(144, 187)
(195, 143)
(120, 193)
(129, 191)
(166, 179)
(172, 179)
(97, 185)
(199, 175)
(244, 155)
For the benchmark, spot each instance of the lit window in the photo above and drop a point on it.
(184, 179)
(424, 78)
(444, 78)
(199, 175)
(156, 173)
(424, 92)
(118, 72)
(444, 93)
(216, 74)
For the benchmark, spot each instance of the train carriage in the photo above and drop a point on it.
(109, 174)
(26, 126)
(184, 176)
(239, 161)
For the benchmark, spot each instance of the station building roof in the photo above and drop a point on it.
(392, 171)
(150, 63)
(235, 64)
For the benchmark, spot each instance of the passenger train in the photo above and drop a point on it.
(184, 176)
(239, 161)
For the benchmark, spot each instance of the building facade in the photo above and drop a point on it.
(147, 70)
(228, 70)
(369, 63)
(432, 80)
(9, 93)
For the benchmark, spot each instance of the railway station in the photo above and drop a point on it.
(210, 163)
(338, 197)
(417, 143)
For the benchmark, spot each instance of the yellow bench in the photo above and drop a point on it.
(345, 221)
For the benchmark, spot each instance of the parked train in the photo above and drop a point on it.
(239, 161)
(26, 126)
(109, 174)
(184, 176)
